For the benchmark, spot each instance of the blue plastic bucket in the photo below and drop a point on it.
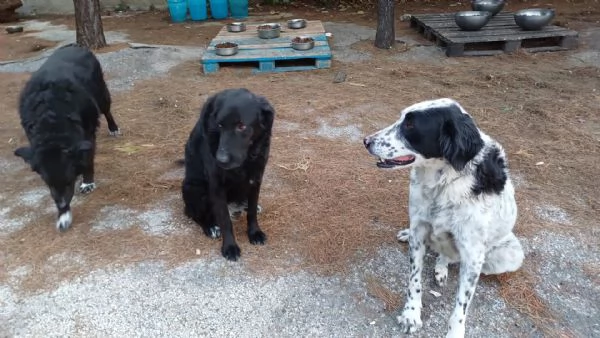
(239, 8)
(218, 9)
(197, 9)
(178, 10)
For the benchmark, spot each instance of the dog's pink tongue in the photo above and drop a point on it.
(404, 158)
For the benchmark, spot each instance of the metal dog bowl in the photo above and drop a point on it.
(534, 18)
(472, 20)
(226, 48)
(296, 23)
(236, 27)
(269, 30)
(303, 43)
(493, 6)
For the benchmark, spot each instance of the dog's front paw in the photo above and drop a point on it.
(410, 321)
(441, 274)
(114, 132)
(403, 235)
(456, 330)
(257, 237)
(231, 252)
(86, 188)
(213, 232)
(64, 221)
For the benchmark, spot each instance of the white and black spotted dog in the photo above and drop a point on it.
(461, 201)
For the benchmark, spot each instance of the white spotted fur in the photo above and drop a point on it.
(480, 227)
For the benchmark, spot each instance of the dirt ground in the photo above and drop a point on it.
(327, 207)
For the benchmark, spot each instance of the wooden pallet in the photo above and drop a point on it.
(270, 55)
(500, 35)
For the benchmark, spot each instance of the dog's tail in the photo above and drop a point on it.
(180, 161)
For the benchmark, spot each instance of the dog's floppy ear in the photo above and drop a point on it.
(25, 153)
(459, 140)
(267, 113)
(207, 112)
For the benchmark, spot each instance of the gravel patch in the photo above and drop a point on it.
(571, 294)
(553, 214)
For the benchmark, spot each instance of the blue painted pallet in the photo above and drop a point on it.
(271, 55)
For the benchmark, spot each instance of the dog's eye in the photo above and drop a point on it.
(240, 126)
(408, 124)
(220, 126)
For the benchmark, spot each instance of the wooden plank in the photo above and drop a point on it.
(489, 25)
(451, 20)
(270, 46)
(319, 52)
(312, 27)
(455, 31)
(456, 38)
(263, 42)
(441, 16)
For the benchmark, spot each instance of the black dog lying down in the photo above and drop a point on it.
(60, 108)
(225, 158)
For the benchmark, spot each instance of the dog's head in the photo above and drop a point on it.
(241, 122)
(437, 129)
(58, 167)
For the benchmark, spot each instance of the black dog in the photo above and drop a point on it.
(60, 108)
(225, 158)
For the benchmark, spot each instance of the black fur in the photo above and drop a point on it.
(225, 164)
(442, 132)
(490, 175)
(59, 109)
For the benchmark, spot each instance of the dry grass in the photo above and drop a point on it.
(517, 289)
(377, 289)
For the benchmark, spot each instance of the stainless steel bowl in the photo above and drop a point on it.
(269, 30)
(303, 43)
(226, 48)
(296, 23)
(236, 27)
(493, 6)
(472, 20)
(534, 18)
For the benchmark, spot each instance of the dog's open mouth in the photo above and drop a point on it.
(398, 161)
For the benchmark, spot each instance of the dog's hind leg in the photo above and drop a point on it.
(410, 319)
(113, 128)
(197, 208)
(472, 254)
(441, 269)
(505, 256)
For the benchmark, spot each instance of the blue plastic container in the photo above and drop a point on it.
(197, 9)
(239, 8)
(178, 10)
(219, 9)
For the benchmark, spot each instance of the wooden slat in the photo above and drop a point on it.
(446, 16)
(319, 52)
(262, 42)
(271, 46)
(312, 27)
(504, 35)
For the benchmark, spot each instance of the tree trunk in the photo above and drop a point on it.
(386, 32)
(88, 23)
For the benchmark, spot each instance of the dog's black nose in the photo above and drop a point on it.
(367, 142)
(222, 157)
